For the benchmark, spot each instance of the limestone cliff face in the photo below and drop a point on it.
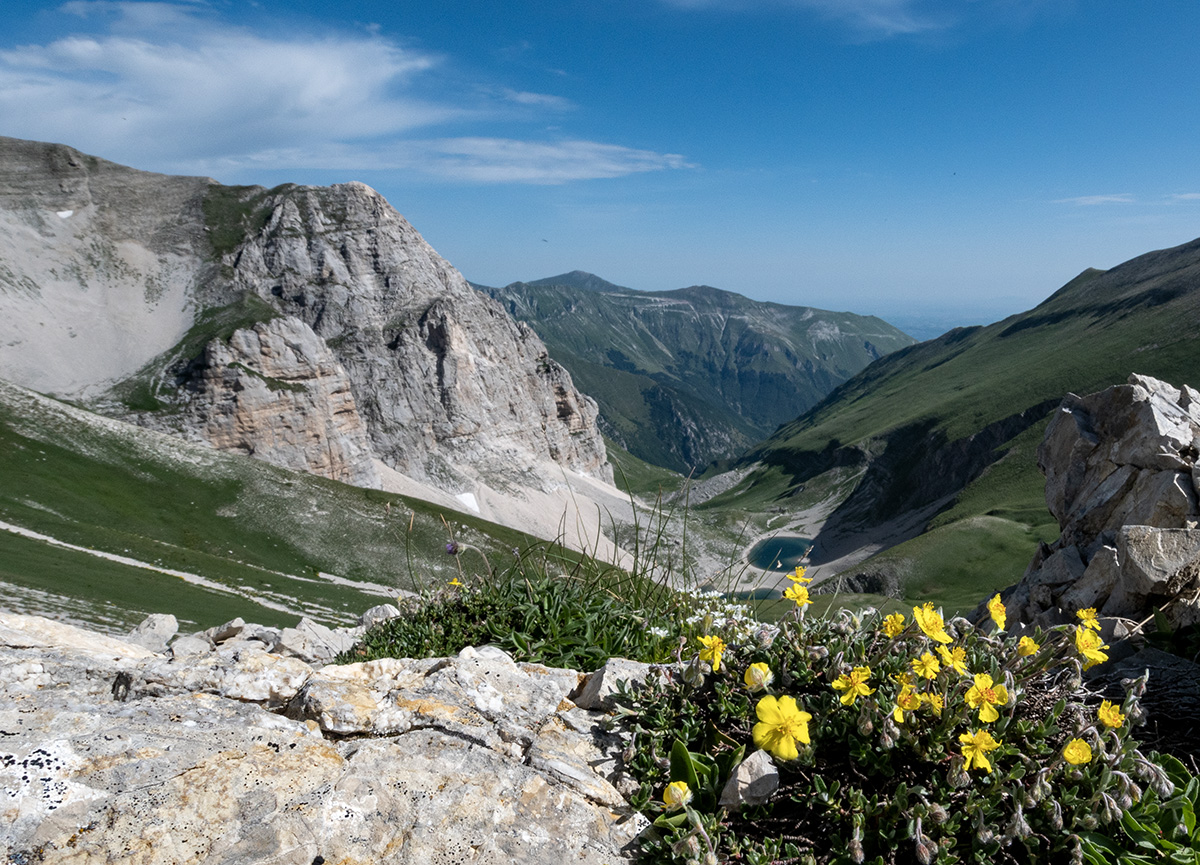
(101, 267)
(113, 280)
(275, 391)
(441, 374)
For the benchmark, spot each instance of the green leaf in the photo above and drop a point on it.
(682, 766)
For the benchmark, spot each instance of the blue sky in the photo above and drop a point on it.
(946, 160)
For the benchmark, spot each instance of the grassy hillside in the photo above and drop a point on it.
(952, 425)
(245, 538)
(687, 376)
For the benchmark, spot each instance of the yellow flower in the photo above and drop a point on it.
(893, 625)
(677, 795)
(976, 747)
(799, 594)
(936, 703)
(955, 659)
(781, 724)
(713, 648)
(854, 684)
(758, 676)
(1087, 618)
(455, 582)
(931, 622)
(797, 576)
(1077, 752)
(1087, 643)
(997, 612)
(926, 665)
(1110, 715)
(1027, 647)
(986, 696)
(906, 701)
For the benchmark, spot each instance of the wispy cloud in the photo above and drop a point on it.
(502, 160)
(1129, 198)
(538, 100)
(876, 18)
(173, 87)
(1092, 200)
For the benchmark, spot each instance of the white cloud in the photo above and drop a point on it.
(502, 160)
(172, 87)
(1186, 196)
(878, 18)
(1091, 200)
(538, 100)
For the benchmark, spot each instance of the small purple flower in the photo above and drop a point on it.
(452, 548)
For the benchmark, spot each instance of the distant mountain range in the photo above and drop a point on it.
(689, 376)
(935, 444)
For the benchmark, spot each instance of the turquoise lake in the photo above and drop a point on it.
(778, 553)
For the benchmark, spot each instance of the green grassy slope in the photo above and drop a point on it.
(687, 376)
(266, 543)
(961, 416)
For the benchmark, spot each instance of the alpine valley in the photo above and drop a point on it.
(157, 332)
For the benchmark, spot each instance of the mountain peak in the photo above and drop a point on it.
(580, 279)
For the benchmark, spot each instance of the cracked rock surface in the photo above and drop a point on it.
(110, 752)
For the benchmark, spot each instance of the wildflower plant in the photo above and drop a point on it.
(902, 740)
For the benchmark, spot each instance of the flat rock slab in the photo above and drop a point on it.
(492, 764)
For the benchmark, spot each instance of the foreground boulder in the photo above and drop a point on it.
(111, 752)
(1121, 479)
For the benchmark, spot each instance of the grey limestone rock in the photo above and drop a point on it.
(440, 373)
(368, 345)
(377, 614)
(473, 758)
(1119, 468)
(752, 783)
(600, 685)
(276, 392)
(155, 631)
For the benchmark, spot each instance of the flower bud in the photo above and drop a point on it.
(938, 814)
(926, 850)
(1017, 826)
(1109, 811)
(689, 847)
(1056, 817)
(856, 851)
(1076, 851)
(818, 653)
(710, 858)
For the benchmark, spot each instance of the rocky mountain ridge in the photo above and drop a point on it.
(688, 376)
(312, 327)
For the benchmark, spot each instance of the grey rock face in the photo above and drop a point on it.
(276, 392)
(384, 351)
(110, 753)
(1119, 468)
(441, 374)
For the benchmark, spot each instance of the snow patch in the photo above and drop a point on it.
(64, 214)
(468, 500)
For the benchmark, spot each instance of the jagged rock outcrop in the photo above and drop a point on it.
(275, 391)
(1121, 479)
(441, 373)
(113, 280)
(111, 752)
